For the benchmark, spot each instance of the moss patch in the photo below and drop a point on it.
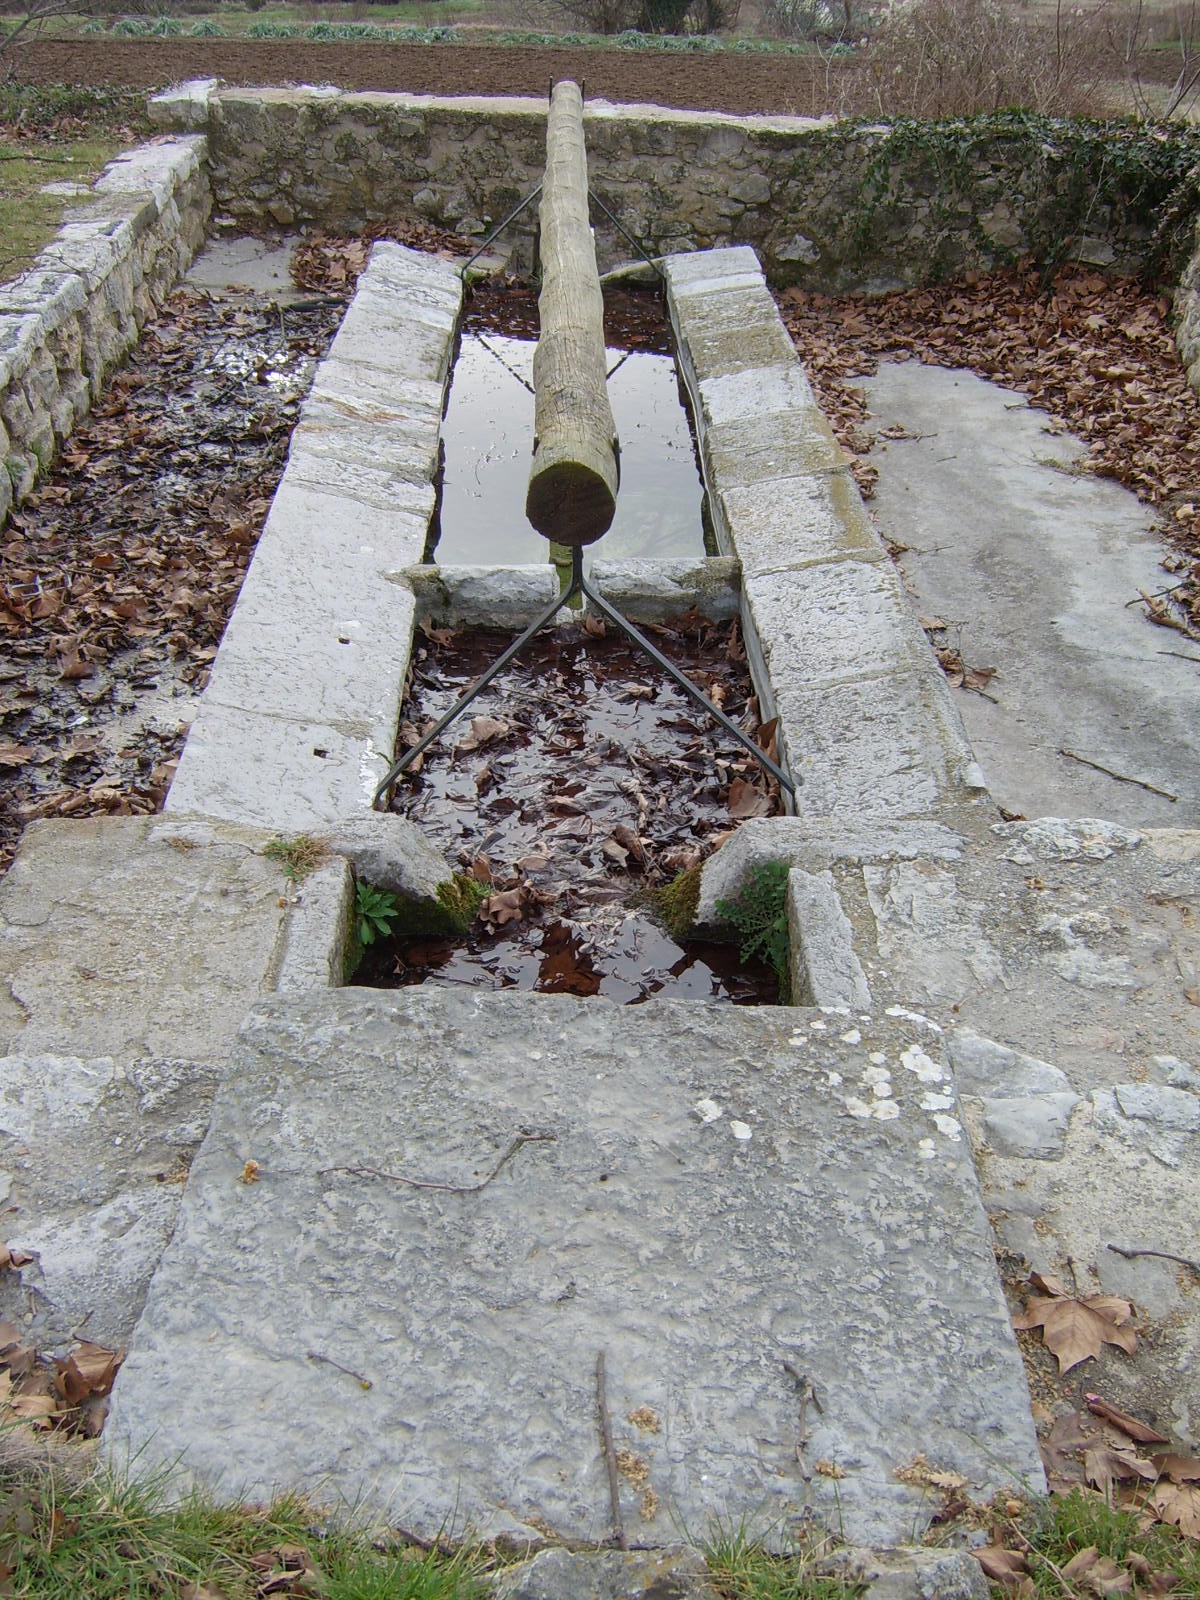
(677, 903)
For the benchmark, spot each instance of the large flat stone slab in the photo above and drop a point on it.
(130, 950)
(707, 1193)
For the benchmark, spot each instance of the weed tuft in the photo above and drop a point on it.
(759, 917)
(676, 903)
(299, 856)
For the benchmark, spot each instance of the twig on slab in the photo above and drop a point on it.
(1142, 598)
(1195, 660)
(328, 1361)
(433, 1183)
(1163, 1255)
(610, 1455)
(807, 1394)
(1121, 777)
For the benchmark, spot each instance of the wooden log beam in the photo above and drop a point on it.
(573, 484)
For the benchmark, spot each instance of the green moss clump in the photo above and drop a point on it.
(461, 899)
(677, 903)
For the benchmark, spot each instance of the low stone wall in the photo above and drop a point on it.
(866, 721)
(66, 322)
(1187, 314)
(830, 205)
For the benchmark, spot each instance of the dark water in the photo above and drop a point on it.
(488, 434)
(587, 780)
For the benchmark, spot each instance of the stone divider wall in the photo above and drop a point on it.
(68, 320)
(830, 205)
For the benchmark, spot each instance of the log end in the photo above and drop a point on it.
(570, 503)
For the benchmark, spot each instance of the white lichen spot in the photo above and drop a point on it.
(851, 1036)
(936, 1102)
(885, 1111)
(877, 1058)
(817, 1025)
(535, 1055)
(857, 1107)
(707, 1111)
(835, 1011)
(740, 1130)
(833, 1079)
(916, 1061)
(876, 1075)
(882, 1091)
(926, 1149)
(950, 1126)
(914, 1016)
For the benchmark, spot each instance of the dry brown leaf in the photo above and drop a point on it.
(1000, 1565)
(483, 731)
(1180, 1469)
(1076, 1329)
(1103, 1467)
(1139, 1431)
(1099, 1574)
(747, 801)
(13, 1260)
(1178, 1504)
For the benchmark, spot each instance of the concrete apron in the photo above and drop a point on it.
(716, 1192)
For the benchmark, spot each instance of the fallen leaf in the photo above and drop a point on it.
(1142, 1432)
(1076, 1329)
(1178, 1504)
(1103, 1467)
(1180, 1469)
(1100, 1574)
(483, 731)
(1000, 1565)
(747, 801)
(13, 1260)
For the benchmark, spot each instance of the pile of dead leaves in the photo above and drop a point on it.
(1095, 353)
(119, 573)
(329, 263)
(68, 1394)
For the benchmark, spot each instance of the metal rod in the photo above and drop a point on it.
(498, 230)
(580, 586)
(472, 693)
(684, 682)
(622, 229)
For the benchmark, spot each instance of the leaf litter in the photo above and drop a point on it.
(121, 570)
(584, 780)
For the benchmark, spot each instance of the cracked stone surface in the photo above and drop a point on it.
(723, 1189)
(130, 950)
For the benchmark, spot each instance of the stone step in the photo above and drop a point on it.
(419, 1216)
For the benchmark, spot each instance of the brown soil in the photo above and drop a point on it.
(726, 82)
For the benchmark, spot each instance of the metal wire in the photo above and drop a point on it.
(580, 586)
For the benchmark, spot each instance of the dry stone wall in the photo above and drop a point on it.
(832, 206)
(66, 322)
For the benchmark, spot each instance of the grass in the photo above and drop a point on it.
(1058, 1529)
(109, 1540)
(743, 1570)
(54, 134)
(28, 218)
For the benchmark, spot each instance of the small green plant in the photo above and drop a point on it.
(299, 856)
(376, 912)
(759, 917)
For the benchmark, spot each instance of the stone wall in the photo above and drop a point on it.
(1187, 314)
(66, 322)
(832, 206)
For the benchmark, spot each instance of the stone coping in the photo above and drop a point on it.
(866, 720)
(68, 320)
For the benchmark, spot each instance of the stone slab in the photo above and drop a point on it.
(815, 1211)
(746, 451)
(887, 747)
(481, 597)
(786, 523)
(130, 950)
(287, 774)
(677, 1574)
(834, 623)
(317, 461)
(335, 653)
(653, 591)
(825, 969)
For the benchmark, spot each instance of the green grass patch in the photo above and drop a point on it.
(110, 1540)
(743, 1570)
(28, 218)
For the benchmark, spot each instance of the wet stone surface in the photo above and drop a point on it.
(581, 779)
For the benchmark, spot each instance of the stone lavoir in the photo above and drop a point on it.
(466, 1198)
